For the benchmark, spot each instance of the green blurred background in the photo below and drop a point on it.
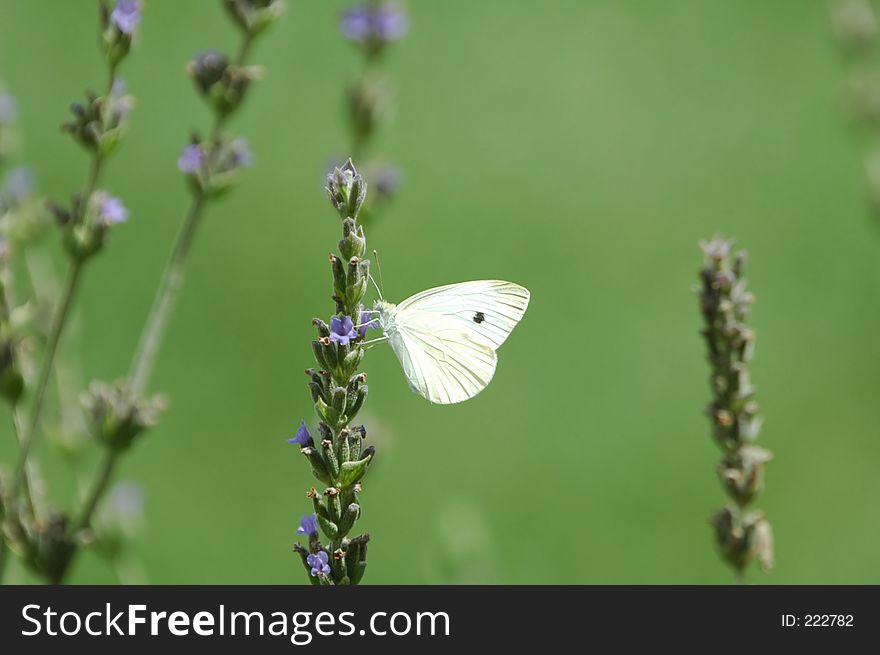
(579, 148)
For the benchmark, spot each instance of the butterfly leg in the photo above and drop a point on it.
(373, 342)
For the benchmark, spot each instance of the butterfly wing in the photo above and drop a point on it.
(487, 310)
(446, 337)
(442, 363)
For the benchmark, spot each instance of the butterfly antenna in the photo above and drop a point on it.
(378, 290)
(381, 281)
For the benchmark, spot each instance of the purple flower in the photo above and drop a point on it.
(119, 87)
(368, 322)
(342, 330)
(319, 563)
(387, 181)
(302, 438)
(241, 153)
(112, 211)
(384, 23)
(19, 184)
(192, 158)
(8, 109)
(308, 524)
(126, 15)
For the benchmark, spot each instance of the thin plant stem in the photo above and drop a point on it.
(99, 486)
(32, 424)
(27, 485)
(58, 322)
(17, 420)
(156, 324)
(172, 277)
(166, 296)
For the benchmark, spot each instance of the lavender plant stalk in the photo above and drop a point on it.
(339, 460)
(116, 413)
(372, 27)
(742, 534)
(97, 125)
(856, 27)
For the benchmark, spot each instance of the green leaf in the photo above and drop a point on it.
(352, 472)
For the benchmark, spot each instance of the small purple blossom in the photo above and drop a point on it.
(19, 184)
(387, 181)
(8, 109)
(302, 438)
(342, 330)
(369, 321)
(308, 524)
(112, 211)
(126, 506)
(126, 15)
(192, 158)
(382, 24)
(119, 87)
(241, 153)
(319, 563)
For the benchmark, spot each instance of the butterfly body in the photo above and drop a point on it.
(445, 338)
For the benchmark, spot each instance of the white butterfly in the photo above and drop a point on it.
(446, 337)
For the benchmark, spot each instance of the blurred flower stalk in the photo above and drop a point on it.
(116, 414)
(369, 103)
(44, 537)
(742, 534)
(855, 25)
(337, 455)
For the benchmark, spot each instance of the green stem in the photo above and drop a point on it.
(172, 277)
(27, 475)
(30, 431)
(157, 322)
(166, 296)
(99, 486)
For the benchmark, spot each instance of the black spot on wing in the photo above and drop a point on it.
(479, 317)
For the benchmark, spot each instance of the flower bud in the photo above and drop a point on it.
(323, 328)
(347, 190)
(119, 28)
(330, 458)
(730, 538)
(339, 278)
(353, 243)
(339, 399)
(86, 230)
(742, 472)
(317, 463)
(254, 16)
(115, 417)
(358, 401)
(223, 85)
(356, 557)
(349, 517)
